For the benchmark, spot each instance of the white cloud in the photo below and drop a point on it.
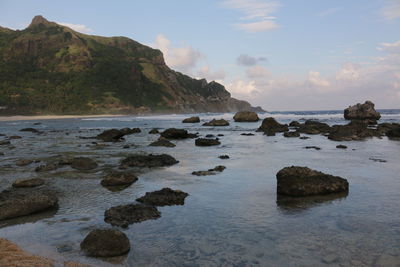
(256, 14)
(242, 88)
(328, 12)
(204, 72)
(348, 72)
(390, 47)
(391, 10)
(314, 77)
(76, 27)
(257, 72)
(181, 58)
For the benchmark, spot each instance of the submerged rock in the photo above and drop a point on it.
(163, 142)
(341, 146)
(149, 161)
(214, 122)
(291, 134)
(312, 147)
(246, 116)
(47, 167)
(28, 182)
(213, 171)
(247, 134)
(303, 181)
(32, 130)
(270, 126)
(5, 142)
(127, 214)
(164, 197)
(21, 202)
(83, 164)
(191, 120)
(105, 243)
(364, 111)
(224, 157)
(119, 178)
(207, 142)
(173, 133)
(23, 162)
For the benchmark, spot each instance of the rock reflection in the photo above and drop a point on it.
(32, 218)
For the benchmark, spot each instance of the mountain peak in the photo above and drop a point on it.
(39, 20)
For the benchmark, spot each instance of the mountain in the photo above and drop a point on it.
(51, 69)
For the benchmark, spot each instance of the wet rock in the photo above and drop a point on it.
(247, 134)
(341, 146)
(213, 171)
(246, 116)
(21, 202)
(377, 160)
(355, 130)
(303, 181)
(23, 162)
(128, 131)
(207, 142)
(126, 146)
(28, 183)
(173, 133)
(294, 124)
(112, 135)
(32, 130)
(312, 147)
(364, 111)
(220, 135)
(119, 179)
(224, 157)
(5, 142)
(37, 123)
(164, 197)
(191, 120)
(154, 131)
(304, 137)
(313, 127)
(46, 167)
(210, 136)
(291, 134)
(383, 128)
(127, 214)
(14, 137)
(270, 126)
(149, 161)
(105, 243)
(163, 142)
(214, 122)
(2, 154)
(394, 133)
(83, 164)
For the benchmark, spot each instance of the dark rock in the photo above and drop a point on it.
(313, 127)
(119, 178)
(210, 136)
(21, 202)
(270, 126)
(394, 133)
(364, 111)
(173, 133)
(207, 142)
(28, 183)
(47, 167)
(220, 135)
(128, 131)
(224, 157)
(247, 134)
(5, 142)
(37, 123)
(304, 137)
(14, 137)
(163, 142)
(213, 171)
(23, 162)
(83, 164)
(383, 128)
(126, 146)
(127, 214)
(215, 122)
(355, 130)
(191, 120)
(246, 116)
(291, 134)
(302, 181)
(105, 243)
(312, 147)
(219, 168)
(341, 146)
(377, 160)
(149, 161)
(154, 131)
(294, 124)
(29, 130)
(112, 135)
(164, 197)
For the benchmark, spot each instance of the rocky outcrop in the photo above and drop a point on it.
(28, 183)
(246, 116)
(364, 111)
(207, 142)
(191, 120)
(105, 243)
(313, 127)
(173, 133)
(149, 161)
(119, 179)
(355, 130)
(270, 126)
(302, 181)
(214, 122)
(125, 215)
(163, 142)
(394, 133)
(83, 164)
(164, 197)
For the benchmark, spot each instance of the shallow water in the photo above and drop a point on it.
(230, 219)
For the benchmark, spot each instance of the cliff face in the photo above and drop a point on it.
(49, 68)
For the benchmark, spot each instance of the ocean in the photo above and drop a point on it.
(234, 218)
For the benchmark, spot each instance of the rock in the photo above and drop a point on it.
(220, 135)
(23, 162)
(313, 127)
(112, 135)
(364, 111)
(37, 123)
(154, 131)
(294, 124)
(83, 164)
(163, 142)
(377, 160)
(302, 181)
(149, 161)
(215, 122)
(394, 133)
(312, 147)
(5, 142)
(29, 130)
(28, 182)
(224, 157)
(164, 197)
(210, 136)
(304, 137)
(341, 146)
(127, 214)
(270, 126)
(291, 134)
(105, 243)
(191, 120)
(14, 137)
(173, 133)
(355, 130)
(21, 202)
(213, 171)
(119, 179)
(128, 131)
(246, 116)
(47, 167)
(207, 142)
(247, 134)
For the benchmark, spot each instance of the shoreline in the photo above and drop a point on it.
(55, 117)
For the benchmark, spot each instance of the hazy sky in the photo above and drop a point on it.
(282, 55)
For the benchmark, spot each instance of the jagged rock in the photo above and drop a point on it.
(313, 127)
(191, 120)
(215, 122)
(246, 116)
(364, 111)
(303, 181)
(112, 135)
(173, 133)
(291, 134)
(119, 179)
(149, 161)
(270, 126)
(163, 142)
(23, 162)
(164, 197)
(105, 243)
(47, 167)
(294, 124)
(154, 131)
(83, 164)
(355, 130)
(127, 214)
(224, 157)
(21, 202)
(28, 182)
(341, 146)
(207, 142)
(213, 171)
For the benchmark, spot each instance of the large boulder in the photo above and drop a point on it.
(364, 111)
(191, 120)
(83, 164)
(173, 133)
(313, 127)
(127, 214)
(207, 142)
(119, 179)
(105, 243)
(149, 161)
(164, 197)
(246, 116)
(302, 181)
(355, 130)
(270, 126)
(21, 202)
(215, 122)
(28, 182)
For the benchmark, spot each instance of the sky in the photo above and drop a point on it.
(278, 54)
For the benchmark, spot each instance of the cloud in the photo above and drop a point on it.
(391, 10)
(349, 72)
(181, 58)
(257, 72)
(314, 77)
(390, 47)
(256, 14)
(76, 27)
(328, 12)
(246, 60)
(204, 72)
